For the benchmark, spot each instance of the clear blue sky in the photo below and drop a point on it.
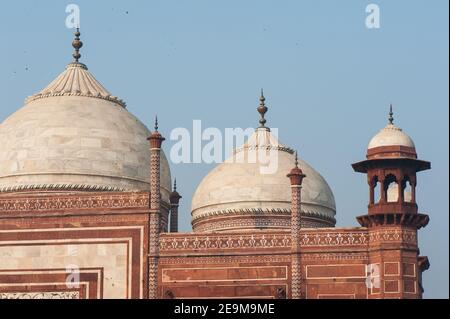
(328, 81)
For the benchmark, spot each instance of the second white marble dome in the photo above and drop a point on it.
(242, 186)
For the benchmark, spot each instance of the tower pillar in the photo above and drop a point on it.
(296, 177)
(395, 267)
(156, 140)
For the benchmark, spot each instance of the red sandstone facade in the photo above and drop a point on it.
(378, 260)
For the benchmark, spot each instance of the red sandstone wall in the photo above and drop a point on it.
(258, 266)
(73, 246)
(107, 236)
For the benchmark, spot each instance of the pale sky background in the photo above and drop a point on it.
(327, 78)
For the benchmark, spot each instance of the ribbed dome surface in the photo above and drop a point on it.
(76, 80)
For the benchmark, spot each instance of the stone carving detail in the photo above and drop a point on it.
(153, 277)
(207, 242)
(285, 258)
(111, 201)
(224, 260)
(336, 238)
(320, 239)
(212, 241)
(62, 187)
(155, 212)
(41, 295)
(297, 276)
(198, 217)
(76, 80)
(277, 222)
(296, 242)
(155, 194)
(296, 218)
(244, 211)
(231, 223)
(394, 235)
(335, 256)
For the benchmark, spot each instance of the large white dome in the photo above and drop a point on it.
(74, 135)
(239, 188)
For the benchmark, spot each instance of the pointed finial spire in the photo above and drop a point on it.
(77, 45)
(296, 159)
(156, 123)
(156, 138)
(175, 196)
(391, 115)
(262, 109)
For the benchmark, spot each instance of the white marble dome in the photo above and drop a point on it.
(391, 135)
(74, 135)
(239, 185)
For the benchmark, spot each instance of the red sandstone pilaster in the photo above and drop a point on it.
(156, 140)
(296, 176)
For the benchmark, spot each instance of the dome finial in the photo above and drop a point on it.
(175, 185)
(262, 109)
(77, 45)
(296, 159)
(391, 115)
(156, 123)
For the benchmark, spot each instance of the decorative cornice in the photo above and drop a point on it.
(393, 151)
(41, 295)
(259, 212)
(266, 148)
(394, 234)
(243, 223)
(268, 240)
(401, 219)
(48, 203)
(62, 187)
(326, 256)
(320, 238)
(207, 260)
(196, 217)
(106, 98)
(220, 242)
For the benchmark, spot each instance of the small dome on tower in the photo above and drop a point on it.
(391, 135)
(391, 141)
